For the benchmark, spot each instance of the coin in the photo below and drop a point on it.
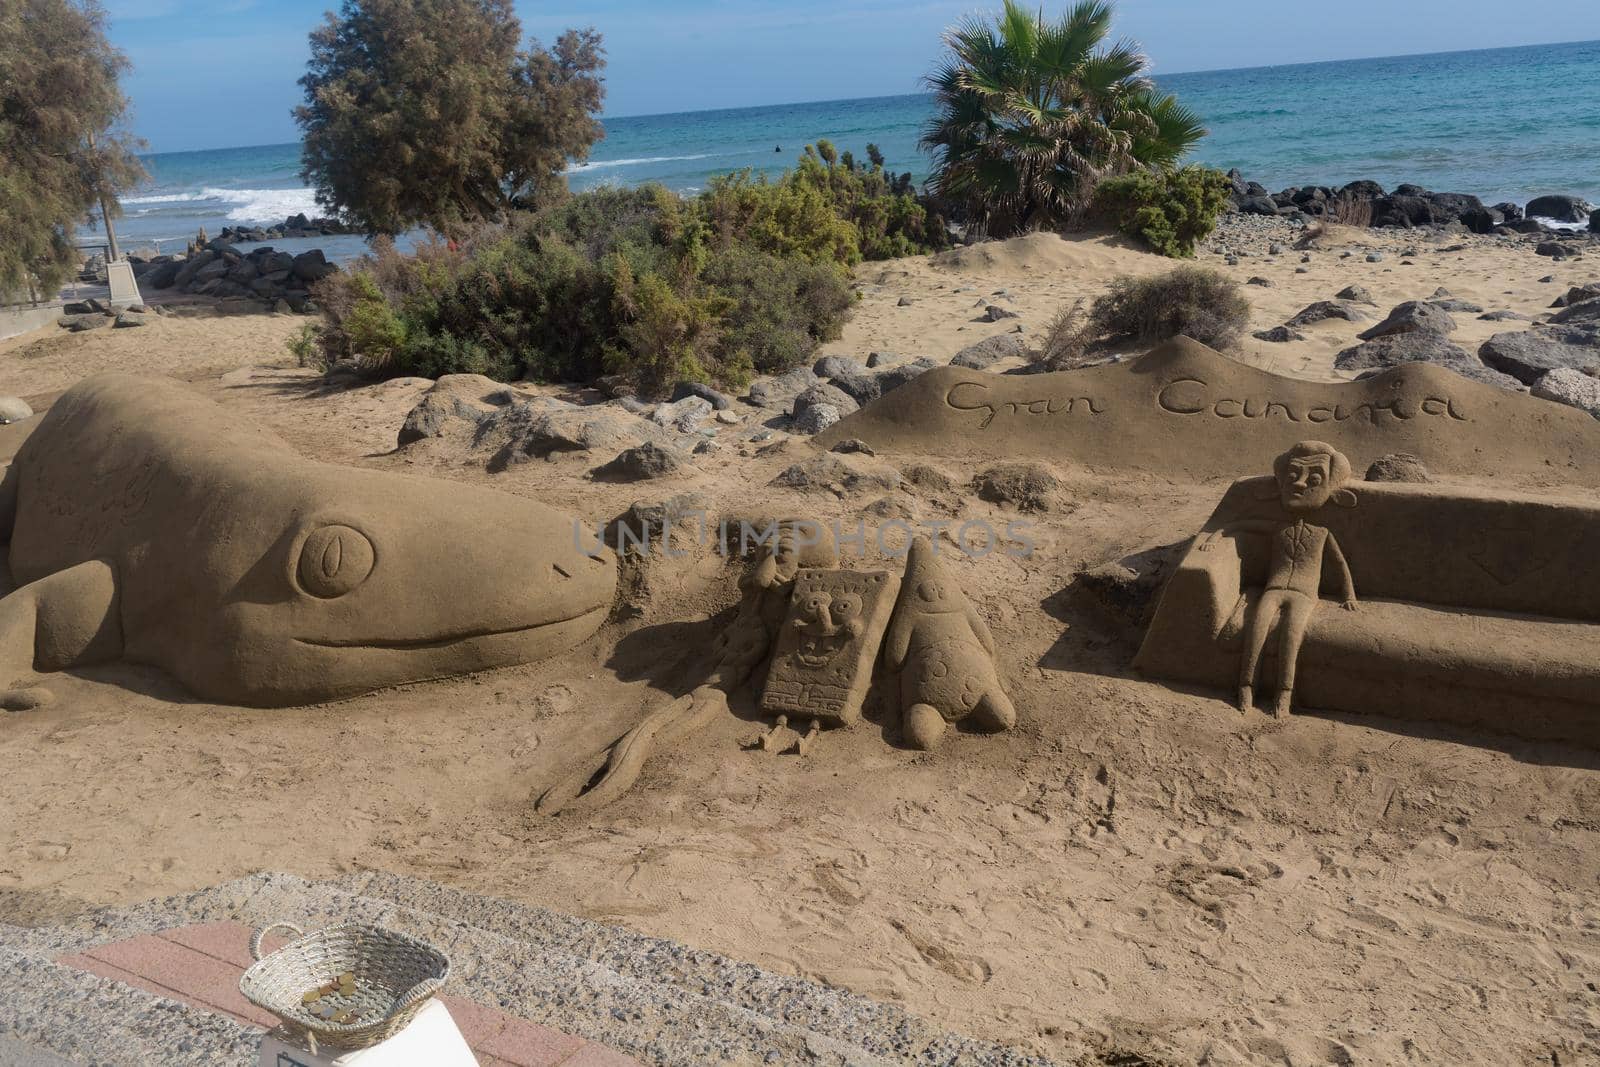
(312, 997)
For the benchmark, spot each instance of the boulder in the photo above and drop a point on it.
(718, 400)
(312, 266)
(1594, 221)
(128, 320)
(838, 366)
(823, 393)
(641, 463)
(1327, 309)
(1279, 335)
(1398, 467)
(815, 418)
(860, 386)
(1583, 311)
(994, 313)
(1560, 208)
(434, 413)
(1256, 205)
(162, 276)
(538, 428)
(84, 323)
(14, 409)
(1529, 355)
(1571, 387)
(1355, 294)
(1391, 350)
(1555, 249)
(780, 391)
(986, 353)
(893, 378)
(1413, 316)
(683, 415)
(1362, 190)
(214, 270)
(1508, 211)
(1503, 315)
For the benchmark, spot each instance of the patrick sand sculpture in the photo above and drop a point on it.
(145, 524)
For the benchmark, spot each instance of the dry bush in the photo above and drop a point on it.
(1066, 340)
(1195, 302)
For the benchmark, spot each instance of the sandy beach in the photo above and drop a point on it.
(1136, 871)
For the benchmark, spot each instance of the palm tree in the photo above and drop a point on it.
(1033, 114)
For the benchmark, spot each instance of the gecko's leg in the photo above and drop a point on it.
(63, 620)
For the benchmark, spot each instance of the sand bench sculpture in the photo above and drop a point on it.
(146, 524)
(1183, 410)
(1476, 607)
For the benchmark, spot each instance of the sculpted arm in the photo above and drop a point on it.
(1261, 526)
(1347, 583)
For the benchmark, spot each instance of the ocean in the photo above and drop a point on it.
(1504, 124)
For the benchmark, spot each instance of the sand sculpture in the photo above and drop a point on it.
(944, 654)
(1183, 410)
(822, 661)
(146, 524)
(1310, 476)
(766, 588)
(1477, 607)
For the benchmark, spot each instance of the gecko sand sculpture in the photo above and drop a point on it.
(1183, 410)
(823, 657)
(738, 651)
(944, 654)
(1310, 476)
(1478, 607)
(146, 524)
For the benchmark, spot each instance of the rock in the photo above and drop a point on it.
(641, 463)
(815, 418)
(1265, 283)
(823, 393)
(851, 445)
(1279, 335)
(904, 302)
(13, 409)
(1465, 307)
(1565, 385)
(893, 378)
(539, 427)
(1127, 589)
(718, 401)
(313, 266)
(433, 413)
(646, 521)
(1355, 294)
(84, 323)
(1374, 257)
(994, 313)
(780, 391)
(1411, 317)
(128, 320)
(828, 471)
(859, 386)
(1555, 249)
(1594, 221)
(683, 415)
(1578, 294)
(930, 478)
(1256, 205)
(1374, 357)
(1327, 309)
(162, 276)
(1502, 316)
(1586, 311)
(1398, 467)
(878, 359)
(836, 367)
(1559, 208)
(215, 270)
(988, 352)
(1025, 486)
(1508, 211)
(729, 418)
(1529, 355)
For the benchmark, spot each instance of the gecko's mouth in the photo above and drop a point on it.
(441, 640)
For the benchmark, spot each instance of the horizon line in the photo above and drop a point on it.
(899, 96)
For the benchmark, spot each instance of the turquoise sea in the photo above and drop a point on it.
(1504, 124)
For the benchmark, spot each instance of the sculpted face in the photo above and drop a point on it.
(1306, 482)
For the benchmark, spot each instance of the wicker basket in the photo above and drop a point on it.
(394, 976)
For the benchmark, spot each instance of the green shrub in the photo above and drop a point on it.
(747, 277)
(1196, 302)
(1171, 211)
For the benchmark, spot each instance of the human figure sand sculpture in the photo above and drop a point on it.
(146, 524)
(1184, 411)
(1310, 476)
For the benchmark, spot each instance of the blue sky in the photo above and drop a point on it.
(221, 73)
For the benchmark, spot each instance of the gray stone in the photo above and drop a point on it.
(879, 359)
(1279, 335)
(1529, 355)
(1327, 309)
(836, 367)
(823, 393)
(904, 302)
(534, 429)
(1585, 311)
(1265, 283)
(1565, 385)
(127, 320)
(83, 323)
(893, 378)
(1413, 316)
(683, 415)
(851, 445)
(641, 463)
(986, 353)
(1378, 355)
(994, 313)
(1555, 249)
(1374, 257)
(780, 391)
(1503, 316)
(14, 409)
(718, 400)
(1398, 467)
(1559, 208)
(815, 418)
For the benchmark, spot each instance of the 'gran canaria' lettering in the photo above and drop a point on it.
(973, 398)
(1192, 396)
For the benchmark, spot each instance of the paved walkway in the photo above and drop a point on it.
(200, 965)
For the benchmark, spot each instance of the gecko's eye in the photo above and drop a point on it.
(334, 560)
